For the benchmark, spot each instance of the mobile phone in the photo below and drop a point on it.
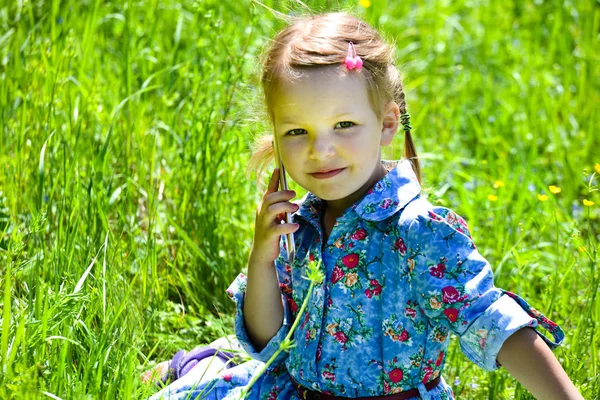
(291, 246)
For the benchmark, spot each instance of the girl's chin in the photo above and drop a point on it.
(328, 196)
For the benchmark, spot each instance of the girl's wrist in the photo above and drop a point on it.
(258, 261)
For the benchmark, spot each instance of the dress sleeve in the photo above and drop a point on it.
(454, 286)
(236, 292)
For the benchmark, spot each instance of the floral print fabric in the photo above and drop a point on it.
(401, 275)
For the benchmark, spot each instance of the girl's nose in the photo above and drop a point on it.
(321, 147)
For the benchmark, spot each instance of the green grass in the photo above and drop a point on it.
(125, 210)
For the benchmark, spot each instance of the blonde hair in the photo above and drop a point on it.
(322, 40)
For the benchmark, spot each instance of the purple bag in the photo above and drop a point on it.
(183, 362)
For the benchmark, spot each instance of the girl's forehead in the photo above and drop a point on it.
(320, 89)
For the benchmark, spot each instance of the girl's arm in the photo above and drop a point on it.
(263, 307)
(529, 360)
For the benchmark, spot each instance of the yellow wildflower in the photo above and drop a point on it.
(542, 197)
(582, 249)
(597, 168)
(491, 197)
(498, 184)
(365, 3)
(588, 203)
(554, 189)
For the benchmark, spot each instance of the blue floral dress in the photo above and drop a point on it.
(400, 275)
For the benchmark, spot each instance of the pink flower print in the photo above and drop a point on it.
(410, 312)
(307, 336)
(396, 375)
(547, 321)
(329, 302)
(292, 304)
(311, 257)
(376, 287)
(386, 387)
(437, 270)
(227, 377)
(428, 372)
(377, 290)
(434, 216)
(451, 314)
(440, 358)
(306, 317)
(328, 375)
(450, 295)
(340, 337)
(285, 288)
(404, 336)
(350, 260)
(360, 234)
(369, 293)
(400, 246)
(337, 274)
(482, 342)
(386, 203)
(451, 218)
(319, 351)
(288, 269)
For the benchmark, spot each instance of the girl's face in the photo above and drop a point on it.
(324, 122)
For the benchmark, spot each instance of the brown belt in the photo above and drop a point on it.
(307, 394)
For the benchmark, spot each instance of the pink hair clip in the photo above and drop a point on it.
(352, 60)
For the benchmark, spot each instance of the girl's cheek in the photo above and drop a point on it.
(292, 147)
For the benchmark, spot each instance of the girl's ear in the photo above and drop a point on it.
(390, 123)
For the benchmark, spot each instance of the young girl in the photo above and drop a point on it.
(401, 274)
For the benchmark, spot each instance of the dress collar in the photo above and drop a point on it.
(391, 194)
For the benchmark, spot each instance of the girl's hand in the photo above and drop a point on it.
(268, 226)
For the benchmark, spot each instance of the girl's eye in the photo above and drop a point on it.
(296, 132)
(344, 124)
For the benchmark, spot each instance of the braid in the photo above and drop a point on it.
(405, 120)
(409, 147)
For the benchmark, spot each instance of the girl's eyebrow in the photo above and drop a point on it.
(293, 122)
(288, 122)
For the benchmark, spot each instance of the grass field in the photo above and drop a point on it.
(126, 211)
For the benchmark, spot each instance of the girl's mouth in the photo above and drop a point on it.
(325, 175)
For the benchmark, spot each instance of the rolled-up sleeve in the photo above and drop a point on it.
(237, 290)
(454, 286)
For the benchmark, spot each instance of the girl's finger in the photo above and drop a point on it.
(283, 229)
(276, 209)
(274, 181)
(277, 197)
